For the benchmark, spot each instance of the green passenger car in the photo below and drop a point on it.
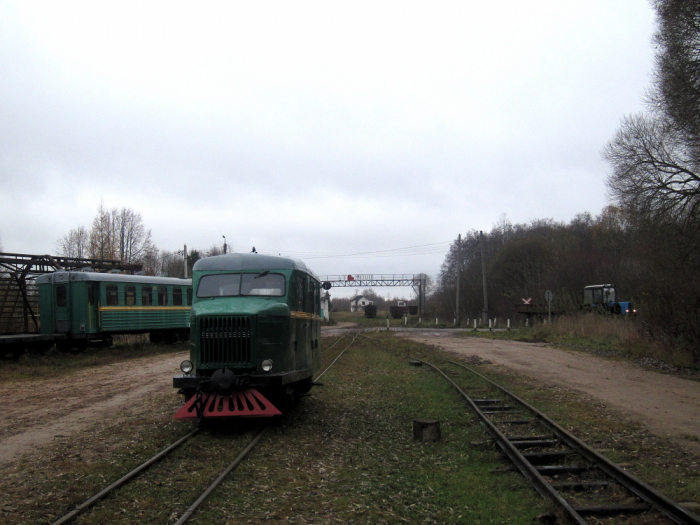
(255, 322)
(92, 307)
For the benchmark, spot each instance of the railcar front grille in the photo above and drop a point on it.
(226, 341)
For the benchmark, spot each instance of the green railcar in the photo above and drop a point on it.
(255, 323)
(92, 307)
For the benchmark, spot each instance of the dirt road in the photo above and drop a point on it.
(34, 412)
(668, 406)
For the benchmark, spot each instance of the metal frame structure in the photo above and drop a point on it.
(19, 296)
(415, 281)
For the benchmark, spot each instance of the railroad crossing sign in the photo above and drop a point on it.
(527, 301)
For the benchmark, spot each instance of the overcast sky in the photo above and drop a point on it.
(312, 129)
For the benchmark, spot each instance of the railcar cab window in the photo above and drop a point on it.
(112, 295)
(236, 284)
(146, 296)
(264, 283)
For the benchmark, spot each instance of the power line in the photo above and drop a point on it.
(421, 249)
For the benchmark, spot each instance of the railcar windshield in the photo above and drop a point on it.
(236, 284)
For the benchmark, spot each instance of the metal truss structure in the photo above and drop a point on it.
(19, 297)
(415, 281)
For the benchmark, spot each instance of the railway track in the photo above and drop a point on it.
(160, 455)
(579, 480)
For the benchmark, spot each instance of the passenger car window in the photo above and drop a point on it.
(177, 296)
(61, 296)
(112, 295)
(162, 296)
(130, 295)
(146, 296)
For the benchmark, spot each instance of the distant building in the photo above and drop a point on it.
(358, 302)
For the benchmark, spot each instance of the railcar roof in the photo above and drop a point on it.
(250, 261)
(116, 278)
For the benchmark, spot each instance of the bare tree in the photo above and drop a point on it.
(656, 156)
(115, 234)
(676, 92)
(151, 261)
(171, 264)
(75, 243)
(654, 172)
(214, 250)
(101, 235)
(130, 235)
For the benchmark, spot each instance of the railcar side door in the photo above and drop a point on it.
(61, 302)
(93, 301)
(302, 323)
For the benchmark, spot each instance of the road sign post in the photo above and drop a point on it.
(548, 297)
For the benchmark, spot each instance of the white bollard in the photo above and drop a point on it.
(436, 321)
(489, 324)
(526, 322)
(474, 324)
(405, 320)
(508, 324)
(495, 322)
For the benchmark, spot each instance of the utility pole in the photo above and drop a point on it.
(184, 255)
(459, 264)
(224, 244)
(485, 314)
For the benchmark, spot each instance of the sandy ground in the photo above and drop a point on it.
(35, 412)
(668, 406)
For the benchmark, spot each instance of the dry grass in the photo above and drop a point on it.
(606, 336)
(610, 334)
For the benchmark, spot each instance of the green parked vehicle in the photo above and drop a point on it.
(255, 334)
(85, 308)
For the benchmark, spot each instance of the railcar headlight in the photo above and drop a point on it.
(266, 365)
(186, 367)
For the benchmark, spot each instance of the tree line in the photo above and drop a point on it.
(119, 234)
(647, 241)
